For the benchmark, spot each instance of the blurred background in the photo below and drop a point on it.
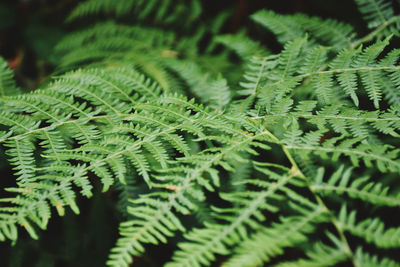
(29, 29)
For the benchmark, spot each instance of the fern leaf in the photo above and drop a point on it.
(213, 239)
(257, 69)
(327, 31)
(376, 12)
(372, 230)
(285, 28)
(365, 259)
(212, 90)
(348, 79)
(21, 156)
(161, 10)
(7, 83)
(370, 78)
(270, 242)
(243, 46)
(232, 171)
(154, 222)
(385, 159)
(319, 255)
(361, 187)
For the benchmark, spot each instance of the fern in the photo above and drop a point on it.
(285, 159)
(166, 11)
(376, 12)
(7, 83)
(371, 230)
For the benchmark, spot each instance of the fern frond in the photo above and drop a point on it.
(370, 79)
(372, 230)
(376, 12)
(21, 156)
(291, 69)
(257, 70)
(184, 185)
(7, 83)
(243, 46)
(146, 49)
(233, 168)
(269, 242)
(368, 260)
(382, 157)
(160, 10)
(154, 221)
(323, 31)
(210, 90)
(330, 32)
(285, 28)
(106, 158)
(342, 120)
(32, 205)
(145, 35)
(215, 239)
(319, 255)
(362, 187)
(281, 82)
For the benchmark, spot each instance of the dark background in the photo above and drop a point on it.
(29, 29)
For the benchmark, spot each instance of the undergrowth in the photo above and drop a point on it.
(226, 151)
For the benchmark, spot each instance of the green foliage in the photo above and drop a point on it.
(166, 11)
(377, 12)
(7, 83)
(301, 152)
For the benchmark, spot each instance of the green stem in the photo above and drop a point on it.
(374, 33)
(296, 171)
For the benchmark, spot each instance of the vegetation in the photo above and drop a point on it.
(223, 149)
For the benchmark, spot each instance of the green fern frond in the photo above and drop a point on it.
(384, 158)
(285, 28)
(329, 32)
(154, 221)
(222, 166)
(105, 158)
(270, 242)
(7, 83)
(362, 187)
(21, 156)
(376, 12)
(365, 259)
(243, 46)
(341, 120)
(291, 68)
(161, 10)
(257, 70)
(215, 239)
(32, 205)
(213, 91)
(319, 255)
(372, 230)
(182, 187)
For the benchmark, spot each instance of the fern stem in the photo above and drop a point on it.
(295, 169)
(348, 151)
(322, 71)
(61, 123)
(339, 117)
(374, 68)
(334, 222)
(373, 34)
